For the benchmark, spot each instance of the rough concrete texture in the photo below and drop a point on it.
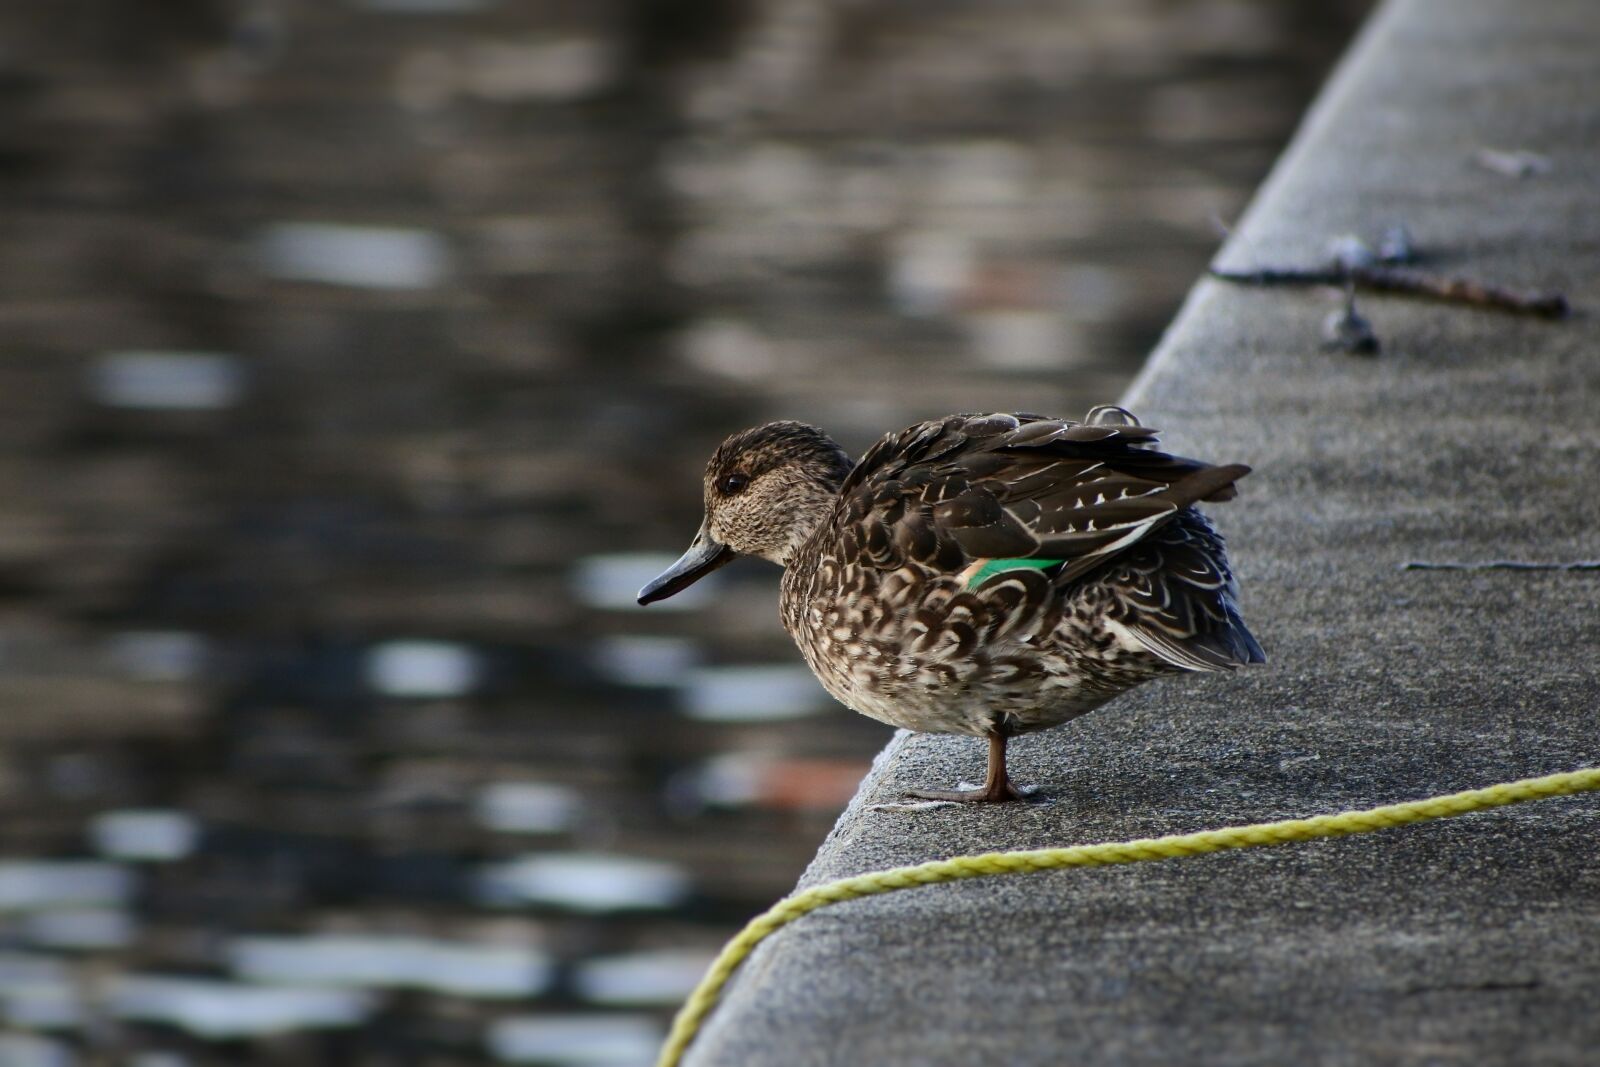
(1474, 436)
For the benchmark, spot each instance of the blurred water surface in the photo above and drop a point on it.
(358, 360)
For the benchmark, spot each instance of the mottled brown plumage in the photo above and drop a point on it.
(981, 574)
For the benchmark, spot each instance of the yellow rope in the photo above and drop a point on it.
(786, 911)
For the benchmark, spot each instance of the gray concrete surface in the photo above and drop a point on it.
(1474, 436)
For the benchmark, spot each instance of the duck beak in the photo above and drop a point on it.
(705, 555)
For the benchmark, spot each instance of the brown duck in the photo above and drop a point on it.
(980, 574)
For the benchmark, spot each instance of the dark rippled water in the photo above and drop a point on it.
(357, 363)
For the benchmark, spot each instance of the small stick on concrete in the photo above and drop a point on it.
(1408, 281)
(1519, 163)
(1501, 565)
(1347, 330)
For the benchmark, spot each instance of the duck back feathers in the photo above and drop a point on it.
(1095, 508)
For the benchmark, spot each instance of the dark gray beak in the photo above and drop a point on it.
(704, 556)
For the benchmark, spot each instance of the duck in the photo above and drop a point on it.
(980, 574)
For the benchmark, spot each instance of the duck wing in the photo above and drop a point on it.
(951, 491)
(1176, 596)
(981, 495)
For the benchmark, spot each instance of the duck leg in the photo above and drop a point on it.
(997, 785)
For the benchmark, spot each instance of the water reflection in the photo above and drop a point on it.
(80, 929)
(159, 655)
(28, 884)
(38, 992)
(422, 669)
(175, 381)
(361, 362)
(150, 836)
(583, 882)
(632, 659)
(752, 693)
(613, 581)
(43, 1005)
(768, 780)
(663, 977)
(426, 7)
(577, 1040)
(528, 807)
(26, 1050)
(455, 968)
(363, 256)
(223, 1011)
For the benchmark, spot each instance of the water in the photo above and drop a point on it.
(529, 807)
(460, 969)
(752, 692)
(177, 381)
(44, 884)
(370, 257)
(228, 1011)
(360, 362)
(590, 883)
(149, 835)
(612, 581)
(663, 977)
(28, 1050)
(422, 669)
(577, 1040)
(80, 929)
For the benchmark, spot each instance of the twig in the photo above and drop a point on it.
(1515, 164)
(1408, 281)
(1501, 565)
(1347, 330)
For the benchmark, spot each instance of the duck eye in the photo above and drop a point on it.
(733, 483)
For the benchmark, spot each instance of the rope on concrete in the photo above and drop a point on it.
(700, 1003)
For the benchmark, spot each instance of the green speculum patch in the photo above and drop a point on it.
(992, 567)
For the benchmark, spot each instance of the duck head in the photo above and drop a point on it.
(766, 491)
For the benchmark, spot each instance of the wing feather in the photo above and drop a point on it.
(950, 491)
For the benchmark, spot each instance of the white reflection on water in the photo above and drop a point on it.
(80, 929)
(929, 272)
(426, 7)
(37, 991)
(222, 1011)
(576, 1040)
(159, 655)
(28, 884)
(584, 881)
(173, 381)
(544, 70)
(637, 660)
(423, 669)
(665, 976)
(769, 780)
(26, 1050)
(457, 968)
(613, 581)
(55, 1005)
(145, 834)
(370, 257)
(752, 693)
(528, 807)
(1023, 339)
(731, 780)
(156, 1058)
(22, 968)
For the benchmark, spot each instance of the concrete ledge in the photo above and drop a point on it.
(1474, 436)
